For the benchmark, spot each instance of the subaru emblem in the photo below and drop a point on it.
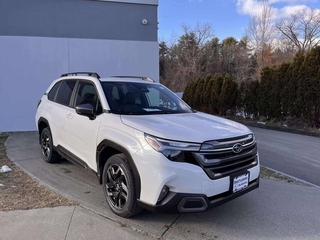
(237, 148)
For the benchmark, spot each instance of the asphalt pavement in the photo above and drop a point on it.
(277, 210)
(293, 154)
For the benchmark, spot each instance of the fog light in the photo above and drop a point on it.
(163, 193)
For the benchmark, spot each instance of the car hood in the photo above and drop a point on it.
(188, 127)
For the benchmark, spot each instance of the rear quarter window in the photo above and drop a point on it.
(53, 91)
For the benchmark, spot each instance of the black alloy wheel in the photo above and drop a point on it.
(119, 186)
(48, 153)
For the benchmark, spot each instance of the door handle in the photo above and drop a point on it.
(50, 108)
(69, 115)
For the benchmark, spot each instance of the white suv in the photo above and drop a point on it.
(148, 148)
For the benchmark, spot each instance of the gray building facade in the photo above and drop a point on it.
(40, 39)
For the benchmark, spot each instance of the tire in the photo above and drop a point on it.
(48, 153)
(119, 186)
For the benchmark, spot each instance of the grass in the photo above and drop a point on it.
(267, 173)
(3, 138)
(20, 192)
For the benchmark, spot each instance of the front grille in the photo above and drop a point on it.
(221, 160)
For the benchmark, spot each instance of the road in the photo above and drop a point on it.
(293, 154)
(276, 210)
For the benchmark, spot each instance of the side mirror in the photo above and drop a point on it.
(85, 110)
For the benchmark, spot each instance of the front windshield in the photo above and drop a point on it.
(142, 99)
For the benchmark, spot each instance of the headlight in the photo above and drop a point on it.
(171, 149)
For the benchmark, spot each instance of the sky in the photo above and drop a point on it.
(229, 18)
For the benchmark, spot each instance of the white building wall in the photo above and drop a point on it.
(29, 64)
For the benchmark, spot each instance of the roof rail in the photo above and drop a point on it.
(143, 78)
(91, 74)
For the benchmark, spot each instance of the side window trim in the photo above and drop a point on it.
(73, 95)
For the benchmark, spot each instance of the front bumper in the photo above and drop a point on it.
(189, 203)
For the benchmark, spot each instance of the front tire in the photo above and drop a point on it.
(119, 186)
(48, 153)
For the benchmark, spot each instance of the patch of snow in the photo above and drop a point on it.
(1, 185)
(5, 168)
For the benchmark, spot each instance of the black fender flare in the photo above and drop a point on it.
(120, 149)
(42, 120)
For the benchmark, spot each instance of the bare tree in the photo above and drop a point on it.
(261, 33)
(203, 32)
(302, 29)
(183, 59)
(244, 66)
(192, 42)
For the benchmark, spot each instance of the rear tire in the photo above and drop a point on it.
(119, 186)
(48, 153)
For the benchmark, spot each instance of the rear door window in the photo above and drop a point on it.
(65, 92)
